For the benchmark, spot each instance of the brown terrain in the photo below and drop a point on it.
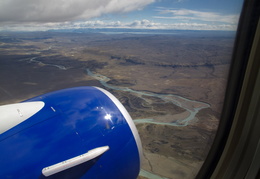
(193, 67)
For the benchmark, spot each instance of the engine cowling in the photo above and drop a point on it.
(82, 132)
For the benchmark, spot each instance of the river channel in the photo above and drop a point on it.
(191, 106)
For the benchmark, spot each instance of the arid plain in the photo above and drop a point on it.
(173, 85)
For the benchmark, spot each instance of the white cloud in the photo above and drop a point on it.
(64, 10)
(137, 24)
(61, 14)
(143, 24)
(192, 15)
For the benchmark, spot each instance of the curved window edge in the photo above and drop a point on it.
(240, 95)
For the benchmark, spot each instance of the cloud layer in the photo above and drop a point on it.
(192, 15)
(63, 14)
(64, 10)
(137, 24)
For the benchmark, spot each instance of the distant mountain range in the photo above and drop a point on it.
(149, 31)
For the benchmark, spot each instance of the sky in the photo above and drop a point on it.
(34, 15)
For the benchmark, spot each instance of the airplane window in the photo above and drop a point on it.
(166, 61)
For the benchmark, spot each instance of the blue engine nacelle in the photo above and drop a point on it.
(82, 132)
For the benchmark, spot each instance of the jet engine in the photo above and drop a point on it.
(82, 132)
